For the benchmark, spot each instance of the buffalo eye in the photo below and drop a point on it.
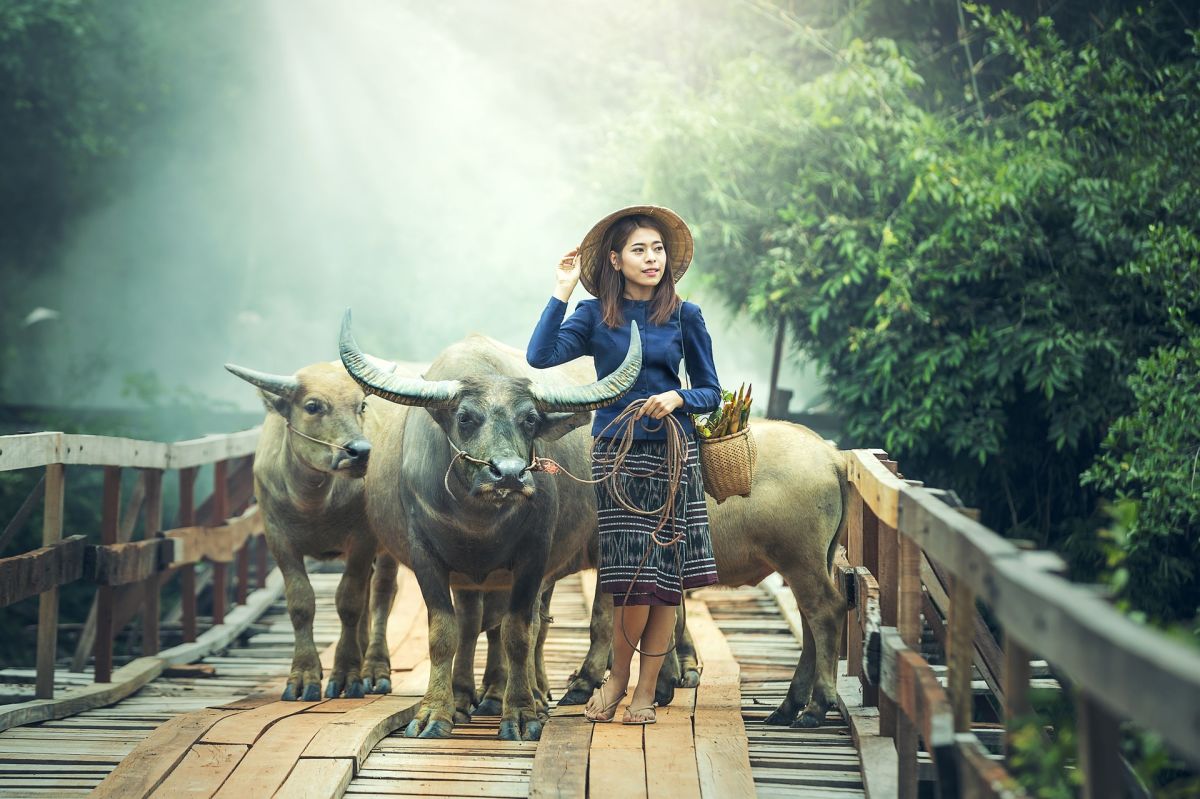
(464, 420)
(362, 408)
(530, 421)
(312, 406)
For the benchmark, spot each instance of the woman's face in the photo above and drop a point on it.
(642, 260)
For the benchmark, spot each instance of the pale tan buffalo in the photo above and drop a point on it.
(308, 477)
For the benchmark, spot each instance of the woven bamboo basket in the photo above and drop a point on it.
(727, 464)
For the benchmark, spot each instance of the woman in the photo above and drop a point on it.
(630, 261)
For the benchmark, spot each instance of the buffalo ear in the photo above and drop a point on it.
(556, 425)
(274, 402)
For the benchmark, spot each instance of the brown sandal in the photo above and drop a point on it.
(608, 712)
(632, 722)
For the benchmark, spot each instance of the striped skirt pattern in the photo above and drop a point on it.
(625, 536)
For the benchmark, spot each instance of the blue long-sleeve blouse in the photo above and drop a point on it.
(555, 342)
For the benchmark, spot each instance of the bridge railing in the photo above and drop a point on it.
(1118, 669)
(129, 575)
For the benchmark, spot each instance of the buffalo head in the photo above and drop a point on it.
(323, 410)
(493, 421)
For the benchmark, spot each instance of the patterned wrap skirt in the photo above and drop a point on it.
(625, 536)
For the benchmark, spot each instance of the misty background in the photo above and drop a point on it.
(425, 165)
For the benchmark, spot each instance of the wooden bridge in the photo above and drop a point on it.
(925, 686)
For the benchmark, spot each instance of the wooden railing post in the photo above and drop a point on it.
(1016, 686)
(151, 586)
(52, 526)
(854, 555)
(959, 652)
(1099, 735)
(908, 616)
(110, 520)
(886, 570)
(220, 512)
(187, 574)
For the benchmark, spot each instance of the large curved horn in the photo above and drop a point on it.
(594, 395)
(389, 385)
(279, 385)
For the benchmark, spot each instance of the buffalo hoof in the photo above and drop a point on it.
(690, 679)
(808, 721)
(488, 707)
(576, 696)
(664, 694)
(289, 693)
(434, 729)
(780, 718)
(462, 717)
(384, 686)
(510, 730)
(332, 689)
(355, 690)
(312, 692)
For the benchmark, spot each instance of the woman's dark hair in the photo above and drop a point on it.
(610, 283)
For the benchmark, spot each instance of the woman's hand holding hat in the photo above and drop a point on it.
(567, 275)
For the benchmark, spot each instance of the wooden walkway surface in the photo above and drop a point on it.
(228, 737)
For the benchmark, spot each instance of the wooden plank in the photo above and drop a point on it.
(264, 768)
(1078, 632)
(124, 682)
(877, 755)
(201, 772)
(121, 564)
(210, 449)
(671, 765)
(193, 544)
(111, 451)
(560, 766)
(962, 545)
(317, 778)
(54, 492)
(960, 651)
(29, 450)
(722, 751)
(617, 761)
(39, 570)
(248, 726)
(143, 769)
(354, 734)
(880, 489)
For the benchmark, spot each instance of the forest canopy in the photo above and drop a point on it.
(990, 245)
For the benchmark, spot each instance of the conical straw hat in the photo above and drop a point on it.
(679, 242)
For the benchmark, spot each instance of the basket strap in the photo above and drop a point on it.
(686, 378)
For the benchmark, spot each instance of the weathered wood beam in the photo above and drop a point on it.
(39, 570)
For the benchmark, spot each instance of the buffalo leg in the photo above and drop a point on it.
(825, 615)
(689, 667)
(591, 672)
(304, 681)
(495, 677)
(468, 608)
(377, 664)
(435, 716)
(542, 680)
(352, 593)
(519, 719)
(800, 688)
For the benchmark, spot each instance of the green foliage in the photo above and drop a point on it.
(1042, 757)
(978, 291)
(1150, 461)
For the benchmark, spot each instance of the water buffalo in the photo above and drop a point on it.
(452, 493)
(790, 523)
(308, 470)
